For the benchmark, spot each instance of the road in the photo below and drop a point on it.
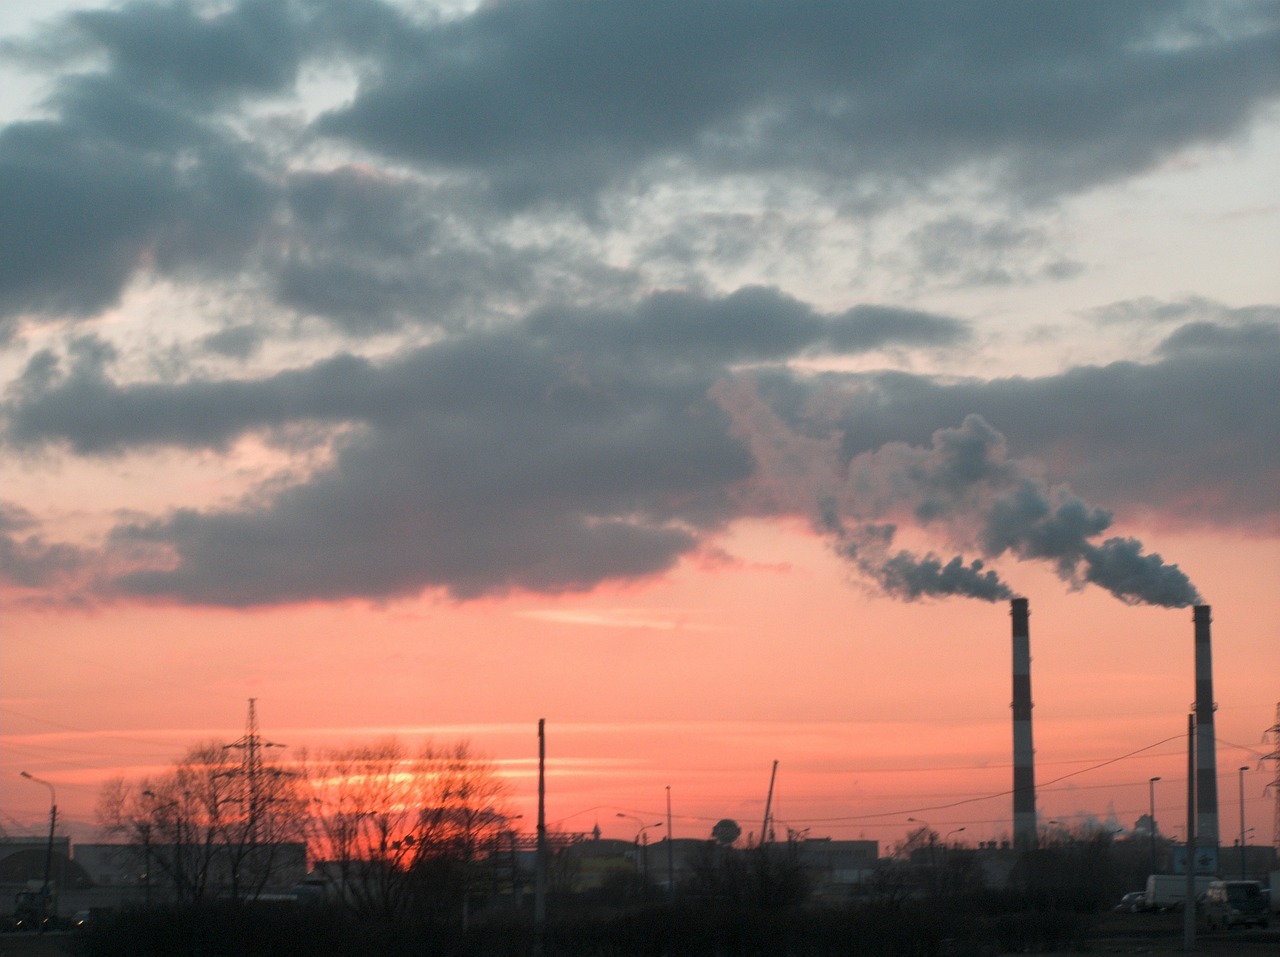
(35, 945)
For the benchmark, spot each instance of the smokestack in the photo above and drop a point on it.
(1024, 766)
(1206, 752)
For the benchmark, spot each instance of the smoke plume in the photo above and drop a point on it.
(963, 491)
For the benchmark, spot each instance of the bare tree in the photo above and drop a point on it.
(363, 812)
(400, 831)
(202, 827)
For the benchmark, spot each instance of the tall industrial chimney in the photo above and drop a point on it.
(1206, 752)
(1024, 765)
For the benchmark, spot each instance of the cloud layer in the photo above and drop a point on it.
(521, 279)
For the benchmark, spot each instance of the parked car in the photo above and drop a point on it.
(1235, 904)
(1132, 903)
(89, 917)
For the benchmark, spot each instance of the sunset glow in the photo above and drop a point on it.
(705, 392)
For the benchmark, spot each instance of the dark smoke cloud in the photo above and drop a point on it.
(1119, 566)
(909, 577)
(963, 489)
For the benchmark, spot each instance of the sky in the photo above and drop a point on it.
(700, 377)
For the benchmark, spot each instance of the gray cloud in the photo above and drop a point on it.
(252, 47)
(491, 196)
(234, 342)
(1149, 311)
(601, 436)
(965, 251)
(578, 448)
(668, 340)
(27, 561)
(557, 99)
(1191, 436)
(147, 163)
(90, 200)
(488, 467)
(755, 323)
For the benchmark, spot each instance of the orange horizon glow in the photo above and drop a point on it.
(697, 682)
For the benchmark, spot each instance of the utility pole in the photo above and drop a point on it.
(1243, 769)
(540, 857)
(671, 869)
(1189, 902)
(768, 806)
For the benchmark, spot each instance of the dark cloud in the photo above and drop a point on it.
(469, 453)
(607, 443)
(373, 252)
(150, 161)
(174, 49)
(235, 342)
(487, 467)
(1191, 436)
(557, 98)
(27, 561)
(83, 407)
(89, 201)
(961, 250)
(555, 422)
(1150, 311)
(1210, 339)
(752, 324)
(577, 448)
(78, 403)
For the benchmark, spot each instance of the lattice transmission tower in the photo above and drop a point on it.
(252, 770)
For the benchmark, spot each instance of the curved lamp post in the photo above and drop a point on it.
(53, 820)
(1151, 820)
(644, 848)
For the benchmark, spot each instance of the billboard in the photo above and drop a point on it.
(1206, 860)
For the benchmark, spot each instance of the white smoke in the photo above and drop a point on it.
(963, 489)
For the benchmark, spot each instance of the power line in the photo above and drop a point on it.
(988, 797)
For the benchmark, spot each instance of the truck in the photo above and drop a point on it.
(35, 908)
(1169, 891)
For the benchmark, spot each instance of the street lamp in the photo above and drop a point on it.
(48, 854)
(177, 861)
(1243, 769)
(949, 833)
(644, 852)
(1151, 819)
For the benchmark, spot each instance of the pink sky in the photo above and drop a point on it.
(669, 377)
(875, 709)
